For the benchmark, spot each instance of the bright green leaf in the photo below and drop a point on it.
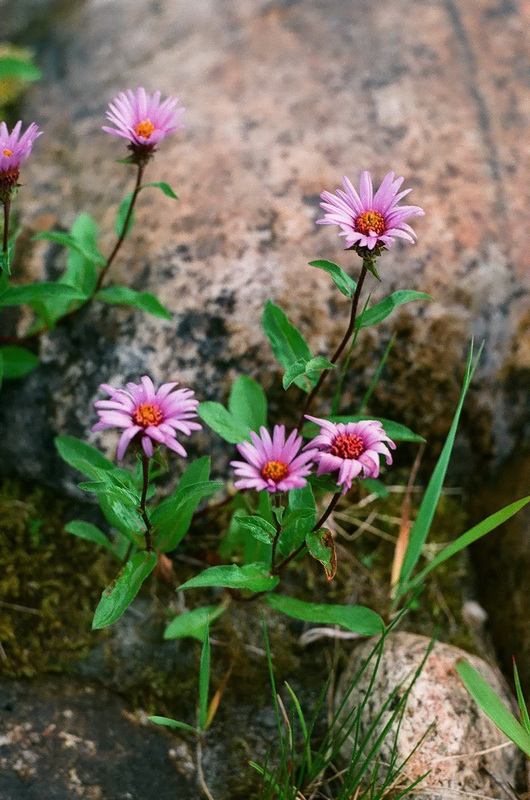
(17, 361)
(341, 279)
(16, 295)
(119, 595)
(255, 577)
(85, 530)
(123, 211)
(173, 723)
(380, 311)
(259, 528)
(204, 679)
(164, 187)
(248, 403)
(220, 420)
(288, 344)
(192, 623)
(354, 618)
(87, 250)
(82, 456)
(18, 68)
(122, 295)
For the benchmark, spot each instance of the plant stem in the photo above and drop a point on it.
(121, 238)
(334, 500)
(278, 503)
(7, 207)
(338, 352)
(145, 486)
(123, 234)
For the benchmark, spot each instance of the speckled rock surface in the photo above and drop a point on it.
(284, 98)
(62, 739)
(437, 696)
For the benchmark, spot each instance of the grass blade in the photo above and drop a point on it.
(422, 524)
(204, 679)
(492, 705)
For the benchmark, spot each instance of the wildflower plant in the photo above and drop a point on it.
(287, 482)
(144, 120)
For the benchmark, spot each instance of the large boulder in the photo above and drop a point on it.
(284, 98)
(463, 751)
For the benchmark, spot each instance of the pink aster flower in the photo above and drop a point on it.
(273, 464)
(367, 219)
(353, 448)
(14, 149)
(149, 416)
(142, 118)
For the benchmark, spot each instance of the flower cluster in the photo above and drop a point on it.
(276, 464)
(272, 463)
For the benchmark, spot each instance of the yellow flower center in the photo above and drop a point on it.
(147, 414)
(348, 445)
(145, 128)
(275, 470)
(8, 152)
(370, 221)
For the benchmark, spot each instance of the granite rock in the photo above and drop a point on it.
(274, 118)
(453, 750)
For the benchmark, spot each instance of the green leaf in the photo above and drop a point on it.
(82, 272)
(255, 577)
(18, 68)
(85, 530)
(122, 215)
(16, 295)
(87, 250)
(173, 723)
(1, 369)
(297, 525)
(324, 482)
(354, 618)
(321, 546)
(122, 517)
(220, 420)
(164, 187)
(17, 361)
(192, 623)
(422, 524)
(204, 679)
(172, 518)
(171, 528)
(341, 279)
(117, 597)
(259, 528)
(82, 456)
(381, 310)
(248, 403)
(375, 486)
(525, 718)
(122, 295)
(484, 527)
(370, 266)
(311, 368)
(288, 344)
(492, 705)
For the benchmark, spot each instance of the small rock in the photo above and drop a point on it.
(454, 753)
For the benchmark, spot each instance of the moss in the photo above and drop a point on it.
(49, 585)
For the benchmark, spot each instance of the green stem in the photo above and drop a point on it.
(123, 234)
(338, 352)
(143, 511)
(278, 503)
